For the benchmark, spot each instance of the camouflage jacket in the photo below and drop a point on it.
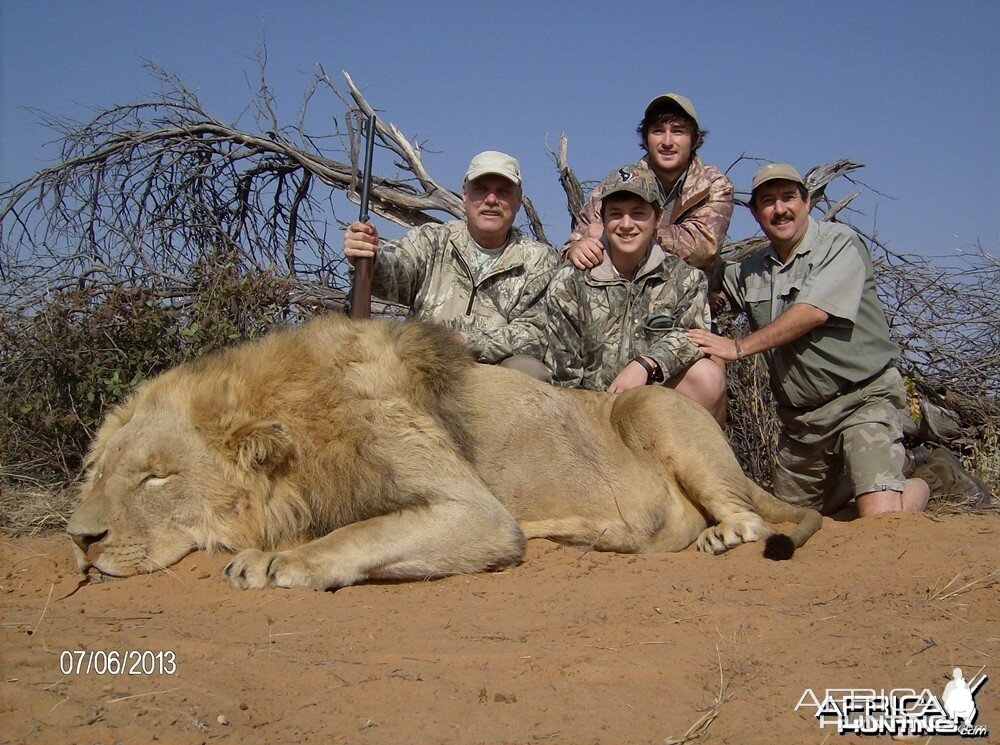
(695, 228)
(598, 321)
(501, 315)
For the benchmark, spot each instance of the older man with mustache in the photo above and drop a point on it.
(480, 276)
(809, 296)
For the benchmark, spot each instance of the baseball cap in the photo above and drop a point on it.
(636, 180)
(776, 172)
(492, 161)
(682, 101)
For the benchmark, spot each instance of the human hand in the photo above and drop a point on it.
(360, 241)
(633, 375)
(713, 344)
(585, 253)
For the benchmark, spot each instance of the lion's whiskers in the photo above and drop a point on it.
(157, 565)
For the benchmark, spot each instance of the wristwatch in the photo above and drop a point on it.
(653, 372)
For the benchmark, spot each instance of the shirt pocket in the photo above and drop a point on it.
(655, 326)
(788, 294)
(758, 305)
(503, 293)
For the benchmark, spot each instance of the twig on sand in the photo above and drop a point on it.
(594, 544)
(968, 586)
(698, 729)
(32, 632)
(139, 695)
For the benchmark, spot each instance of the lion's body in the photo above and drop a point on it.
(387, 453)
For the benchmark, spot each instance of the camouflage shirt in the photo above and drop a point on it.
(693, 229)
(500, 313)
(598, 320)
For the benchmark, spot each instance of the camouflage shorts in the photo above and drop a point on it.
(857, 435)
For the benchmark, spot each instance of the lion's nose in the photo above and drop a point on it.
(85, 540)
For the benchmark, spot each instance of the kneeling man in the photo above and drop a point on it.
(621, 324)
(810, 298)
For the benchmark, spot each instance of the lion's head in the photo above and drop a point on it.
(168, 474)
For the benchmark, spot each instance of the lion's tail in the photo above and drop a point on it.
(807, 521)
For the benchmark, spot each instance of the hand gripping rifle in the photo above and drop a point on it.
(361, 290)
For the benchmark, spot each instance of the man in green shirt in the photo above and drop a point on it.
(810, 298)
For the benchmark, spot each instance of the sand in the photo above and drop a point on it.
(568, 647)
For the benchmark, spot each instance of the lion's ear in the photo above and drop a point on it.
(258, 445)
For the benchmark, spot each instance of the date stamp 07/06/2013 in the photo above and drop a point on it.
(117, 662)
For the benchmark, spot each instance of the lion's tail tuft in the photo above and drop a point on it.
(807, 521)
(779, 547)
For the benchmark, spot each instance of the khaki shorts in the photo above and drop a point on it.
(857, 435)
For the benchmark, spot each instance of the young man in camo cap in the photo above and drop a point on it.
(810, 298)
(622, 323)
(480, 277)
(698, 198)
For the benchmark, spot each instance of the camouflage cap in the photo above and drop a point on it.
(683, 102)
(492, 161)
(634, 179)
(776, 172)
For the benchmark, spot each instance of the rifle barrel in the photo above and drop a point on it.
(361, 291)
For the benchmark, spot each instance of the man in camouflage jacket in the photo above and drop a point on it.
(698, 198)
(479, 277)
(622, 324)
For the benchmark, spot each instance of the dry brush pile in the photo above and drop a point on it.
(163, 233)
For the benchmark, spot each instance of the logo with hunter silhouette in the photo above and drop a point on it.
(959, 696)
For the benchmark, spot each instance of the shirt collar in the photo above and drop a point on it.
(675, 190)
(606, 272)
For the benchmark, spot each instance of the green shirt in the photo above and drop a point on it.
(830, 269)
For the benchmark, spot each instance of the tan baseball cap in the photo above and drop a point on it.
(683, 101)
(636, 180)
(776, 172)
(495, 162)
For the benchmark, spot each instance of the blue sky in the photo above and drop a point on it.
(912, 89)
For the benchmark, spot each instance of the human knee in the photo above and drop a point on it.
(879, 502)
(916, 494)
(707, 380)
(528, 365)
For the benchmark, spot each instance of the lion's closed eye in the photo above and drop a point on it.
(154, 479)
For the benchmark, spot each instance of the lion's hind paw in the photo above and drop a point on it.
(728, 534)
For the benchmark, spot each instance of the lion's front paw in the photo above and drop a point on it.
(729, 533)
(249, 570)
(253, 569)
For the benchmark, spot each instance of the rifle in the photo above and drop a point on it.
(361, 290)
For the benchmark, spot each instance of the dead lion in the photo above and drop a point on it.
(388, 454)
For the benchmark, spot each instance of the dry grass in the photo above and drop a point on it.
(700, 726)
(34, 509)
(984, 460)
